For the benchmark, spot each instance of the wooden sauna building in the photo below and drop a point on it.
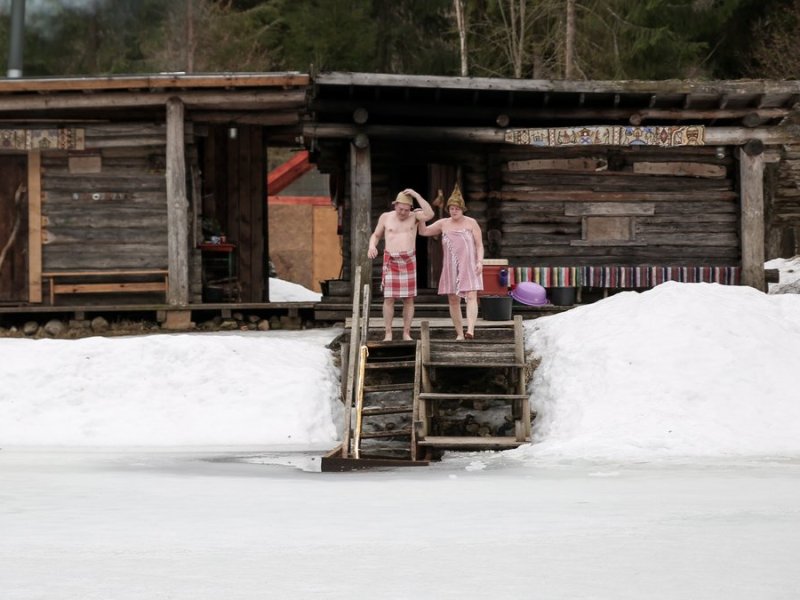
(150, 192)
(140, 191)
(594, 185)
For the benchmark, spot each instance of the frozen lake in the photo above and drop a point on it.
(205, 525)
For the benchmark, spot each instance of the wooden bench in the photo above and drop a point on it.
(107, 281)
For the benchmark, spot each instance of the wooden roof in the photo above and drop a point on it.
(172, 81)
(269, 99)
(478, 101)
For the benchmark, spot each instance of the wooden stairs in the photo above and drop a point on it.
(407, 402)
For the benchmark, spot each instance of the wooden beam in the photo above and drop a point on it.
(669, 87)
(166, 81)
(680, 169)
(273, 117)
(749, 116)
(360, 208)
(266, 100)
(177, 207)
(283, 175)
(299, 201)
(717, 136)
(34, 226)
(751, 171)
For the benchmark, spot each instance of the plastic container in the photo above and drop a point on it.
(529, 293)
(496, 308)
(562, 296)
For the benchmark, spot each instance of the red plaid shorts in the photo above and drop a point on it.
(399, 274)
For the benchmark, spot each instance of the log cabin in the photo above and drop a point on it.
(139, 191)
(601, 185)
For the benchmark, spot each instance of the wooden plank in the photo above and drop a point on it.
(415, 403)
(355, 342)
(283, 175)
(558, 164)
(257, 100)
(341, 464)
(34, 226)
(614, 196)
(610, 209)
(101, 288)
(680, 169)
(616, 229)
(464, 365)
(131, 235)
(751, 172)
(177, 207)
(457, 442)
(522, 384)
(470, 396)
(85, 164)
(110, 272)
(165, 81)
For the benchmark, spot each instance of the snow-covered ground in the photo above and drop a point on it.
(789, 270)
(665, 464)
(286, 291)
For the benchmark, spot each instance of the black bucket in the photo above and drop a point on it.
(496, 308)
(562, 296)
(213, 293)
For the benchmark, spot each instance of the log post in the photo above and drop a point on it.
(177, 207)
(360, 208)
(35, 226)
(751, 172)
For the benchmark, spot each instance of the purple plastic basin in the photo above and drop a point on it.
(529, 293)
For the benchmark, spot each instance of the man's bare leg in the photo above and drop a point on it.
(408, 315)
(454, 304)
(472, 312)
(388, 315)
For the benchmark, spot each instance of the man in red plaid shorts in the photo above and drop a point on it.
(398, 227)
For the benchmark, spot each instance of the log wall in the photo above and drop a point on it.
(576, 207)
(621, 206)
(105, 207)
(783, 206)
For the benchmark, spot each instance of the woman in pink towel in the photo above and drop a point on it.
(462, 262)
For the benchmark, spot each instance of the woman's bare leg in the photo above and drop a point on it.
(454, 303)
(472, 312)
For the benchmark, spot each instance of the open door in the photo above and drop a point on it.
(13, 229)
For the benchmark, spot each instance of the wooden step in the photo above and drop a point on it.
(439, 396)
(455, 355)
(473, 365)
(385, 410)
(441, 441)
(388, 387)
(385, 434)
(380, 344)
(397, 364)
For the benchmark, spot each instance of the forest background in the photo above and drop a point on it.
(539, 39)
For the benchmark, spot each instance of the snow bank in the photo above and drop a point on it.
(170, 390)
(682, 369)
(286, 291)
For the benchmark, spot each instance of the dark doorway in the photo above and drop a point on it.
(13, 229)
(233, 161)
